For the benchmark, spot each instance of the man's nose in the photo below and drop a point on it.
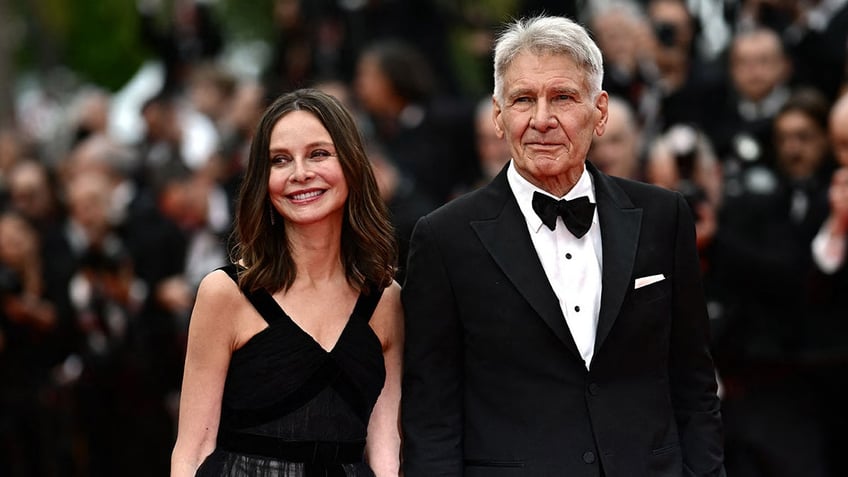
(543, 119)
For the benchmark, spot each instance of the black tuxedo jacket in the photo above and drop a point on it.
(494, 384)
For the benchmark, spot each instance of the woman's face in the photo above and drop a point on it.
(18, 242)
(306, 183)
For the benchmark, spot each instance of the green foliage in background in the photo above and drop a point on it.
(247, 20)
(98, 40)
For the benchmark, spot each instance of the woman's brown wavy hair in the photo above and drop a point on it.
(368, 248)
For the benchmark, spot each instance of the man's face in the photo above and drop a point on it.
(757, 65)
(548, 116)
(801, 144)
(617, 152)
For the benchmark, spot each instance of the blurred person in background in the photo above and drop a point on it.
(814, 32)
(618, 152)
(155, 241)
(683, 159)
(35, 337)
(818, 44)
(13, 147)
(828, 331)
(34, 193)
(210, 91)
(830, 244)
(89, 114)
(86, 113)
(114, 390)
(227, 165)
(689, 84)
(190, 35)
(175, 136)
(627, 41)
(405, 203)
(759, 73)
(312, 41)
(156, 248)
(773, 402)
(291, 60)
(200, 207)
(160, 148)
(428, 136)
(425, 26)
(492, 151)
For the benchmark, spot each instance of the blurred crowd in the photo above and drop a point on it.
(113, 205)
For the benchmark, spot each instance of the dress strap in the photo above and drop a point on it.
(260, 299)
(366, 304)
(232, 270)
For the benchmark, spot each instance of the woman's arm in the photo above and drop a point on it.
(383, 446)
(211, 339)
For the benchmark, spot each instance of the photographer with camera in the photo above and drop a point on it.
(682, 159)
(773, 395)
(690, 84)
(33, 341)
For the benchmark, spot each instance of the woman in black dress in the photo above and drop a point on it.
(294, 351)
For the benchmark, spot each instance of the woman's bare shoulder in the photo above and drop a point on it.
(387, 320)
(218, 293)
(218, 281)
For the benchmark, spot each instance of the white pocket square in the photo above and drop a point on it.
(644, 281)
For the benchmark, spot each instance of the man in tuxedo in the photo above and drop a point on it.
(557, 345)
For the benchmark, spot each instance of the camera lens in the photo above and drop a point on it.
(666, 33)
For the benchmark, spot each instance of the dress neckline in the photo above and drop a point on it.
(284, 315)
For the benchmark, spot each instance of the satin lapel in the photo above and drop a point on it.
(620, 225)
(506, 238)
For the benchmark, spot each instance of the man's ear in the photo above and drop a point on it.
(602, 107)
(496, 118)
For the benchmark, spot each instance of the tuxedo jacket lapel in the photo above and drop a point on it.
(620, 225)
(507, 240)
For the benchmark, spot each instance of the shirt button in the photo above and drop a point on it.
(588, 457)
(594, 389)
(568, 256)
(576, 308)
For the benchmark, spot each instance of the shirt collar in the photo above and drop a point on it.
(523, 191)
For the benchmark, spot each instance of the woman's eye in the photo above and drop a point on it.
(320, 153)
(279, 159)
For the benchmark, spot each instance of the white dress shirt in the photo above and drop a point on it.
(573, 266)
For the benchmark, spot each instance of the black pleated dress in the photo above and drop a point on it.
(291, 408)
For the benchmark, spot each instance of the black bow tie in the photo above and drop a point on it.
(576, 213)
